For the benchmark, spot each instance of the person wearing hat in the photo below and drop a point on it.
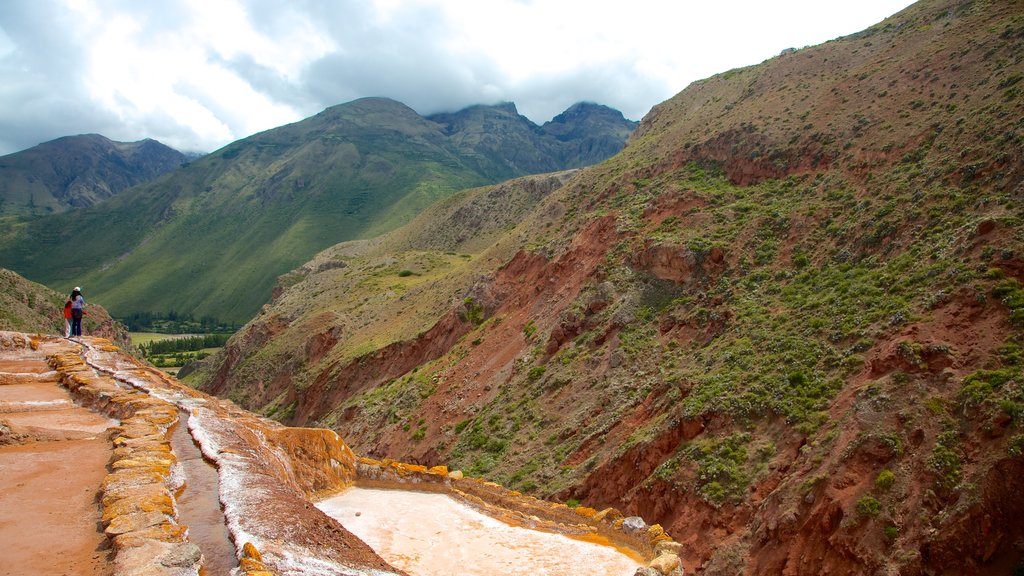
(77, 311)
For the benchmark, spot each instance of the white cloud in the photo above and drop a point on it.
(197, 74)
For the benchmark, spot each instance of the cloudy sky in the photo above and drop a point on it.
(197, 74)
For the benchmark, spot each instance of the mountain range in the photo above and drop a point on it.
(77, 172)
(785, 322)
(210, 238)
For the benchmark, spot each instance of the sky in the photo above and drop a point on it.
(199, 74)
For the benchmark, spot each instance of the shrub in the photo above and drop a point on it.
(529, 329)
(1016, 445)
(867, 506)
(722, 467)
(944, 459)
(982, 385)
(535, 373)
(472, 312)
(885, 480)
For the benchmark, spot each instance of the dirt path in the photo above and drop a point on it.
(50, 474)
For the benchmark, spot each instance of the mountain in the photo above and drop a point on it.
(78, 171)
(497, 140)
(785, 323)
(29, 307)
(210, 239)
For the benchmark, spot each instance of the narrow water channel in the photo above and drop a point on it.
(199, 504)
(429, 534)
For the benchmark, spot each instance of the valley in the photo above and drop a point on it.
(781, 323)
(785, 315)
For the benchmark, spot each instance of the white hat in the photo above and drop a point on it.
(77, 289)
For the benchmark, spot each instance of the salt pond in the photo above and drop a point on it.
(429, 534)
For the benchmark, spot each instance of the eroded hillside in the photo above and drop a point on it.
(785, 322)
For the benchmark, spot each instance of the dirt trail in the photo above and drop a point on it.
(50, 474)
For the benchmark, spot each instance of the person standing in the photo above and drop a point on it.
(77, 311)
(67, 318)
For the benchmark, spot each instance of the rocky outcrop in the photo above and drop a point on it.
(337, 383)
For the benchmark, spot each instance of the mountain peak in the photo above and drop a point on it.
(78, 171)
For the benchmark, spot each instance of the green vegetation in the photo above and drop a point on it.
(945, 460)
(176, 350)
(885, 480)
(529, 329)
(722, 472)
(1015, 447)
(868, 506)
(472, 312)
(183, 344)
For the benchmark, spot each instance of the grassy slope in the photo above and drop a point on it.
(369, 294)
(211, 239)
(255, 208)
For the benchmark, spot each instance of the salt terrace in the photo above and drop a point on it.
(182, 483)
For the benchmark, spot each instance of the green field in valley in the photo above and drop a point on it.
(170, 352)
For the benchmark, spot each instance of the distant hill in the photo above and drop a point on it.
(498, 141)
(29, 307)
(210, 239)
(77, 172)
(785, 322)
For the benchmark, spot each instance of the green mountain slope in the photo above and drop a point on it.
(78, 171)
(786, 322)
(210, 239)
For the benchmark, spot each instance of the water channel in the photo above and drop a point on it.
(199, 504)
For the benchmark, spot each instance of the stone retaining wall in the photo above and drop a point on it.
(139, 512)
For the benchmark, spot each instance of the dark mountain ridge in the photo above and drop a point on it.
(77, 172)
